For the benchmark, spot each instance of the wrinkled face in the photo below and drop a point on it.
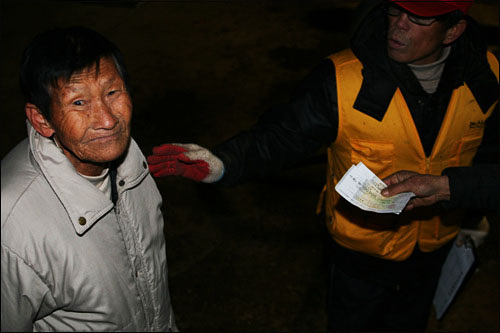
(410, 43)
(91, 116)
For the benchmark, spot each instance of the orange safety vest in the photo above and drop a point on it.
(388, 146)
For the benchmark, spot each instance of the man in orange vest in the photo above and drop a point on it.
(416, 91)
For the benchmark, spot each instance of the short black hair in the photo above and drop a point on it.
(452, 18)
(59, 53)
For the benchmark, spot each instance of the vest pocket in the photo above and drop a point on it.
(467, 149)
(377, 156)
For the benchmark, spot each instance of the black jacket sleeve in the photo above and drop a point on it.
(286, 134)
(476, 187)
(488, 151)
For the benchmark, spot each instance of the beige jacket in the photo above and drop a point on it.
(73, 261)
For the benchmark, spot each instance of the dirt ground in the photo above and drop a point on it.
(248, 258)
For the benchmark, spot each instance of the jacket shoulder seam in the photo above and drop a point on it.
(18, 199)
(8, 249)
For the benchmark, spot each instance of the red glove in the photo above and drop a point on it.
(186, 160)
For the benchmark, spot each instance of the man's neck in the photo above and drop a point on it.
(429, 75)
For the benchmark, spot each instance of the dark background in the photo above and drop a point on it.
(248, 258)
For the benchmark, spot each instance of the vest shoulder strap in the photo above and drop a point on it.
(343, 57)
(493, 61)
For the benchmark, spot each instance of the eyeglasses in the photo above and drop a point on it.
(396, 11)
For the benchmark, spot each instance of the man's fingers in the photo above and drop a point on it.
(168, 149)
(398, 177)
(421, 201)
(395, 189)
(169, 168)
(398, 182)
(425, 201)
(155, 159)
(392, 179)
(197, 171)
(415, 202)
(187, 160)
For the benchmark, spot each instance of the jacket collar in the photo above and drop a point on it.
(379, 81)
(84, 203)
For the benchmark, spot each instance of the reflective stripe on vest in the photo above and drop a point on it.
(388, 146)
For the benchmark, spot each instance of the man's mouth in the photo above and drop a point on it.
(106, 138)
(395, 44)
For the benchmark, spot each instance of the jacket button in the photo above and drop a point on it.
(82, 220)
(121, 182)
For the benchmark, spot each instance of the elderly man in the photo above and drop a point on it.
(83, 247)
(416, 91)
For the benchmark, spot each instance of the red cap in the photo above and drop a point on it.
(429, 8)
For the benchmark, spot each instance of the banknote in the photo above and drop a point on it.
(361, 187)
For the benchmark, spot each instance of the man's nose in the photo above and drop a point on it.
(402, 21)
(104, 117)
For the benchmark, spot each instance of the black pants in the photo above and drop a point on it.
(368, 294)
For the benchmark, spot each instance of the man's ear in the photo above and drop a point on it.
(38, 120)
(454, 32)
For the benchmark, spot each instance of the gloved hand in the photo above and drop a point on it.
(187, 160)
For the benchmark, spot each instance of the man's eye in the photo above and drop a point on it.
(78, 102)
(112, 92)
